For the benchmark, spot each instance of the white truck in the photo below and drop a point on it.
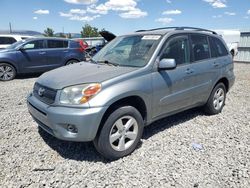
(232, 39)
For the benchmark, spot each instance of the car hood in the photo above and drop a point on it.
(108, 36)
(81, 73)
(6, 50)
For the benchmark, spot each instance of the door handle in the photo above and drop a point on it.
(65, 51)
(216, 64)
(42, 53)
(189, 71)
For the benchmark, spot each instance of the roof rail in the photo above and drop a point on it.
(180, 28)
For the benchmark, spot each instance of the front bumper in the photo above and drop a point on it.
(55, 120)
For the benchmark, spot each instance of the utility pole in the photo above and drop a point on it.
(10, 27)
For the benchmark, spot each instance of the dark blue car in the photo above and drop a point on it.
(38, 55)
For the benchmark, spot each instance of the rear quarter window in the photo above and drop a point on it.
(218, 49)
(7, 40)
(57, 44)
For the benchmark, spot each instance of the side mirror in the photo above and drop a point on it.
(21, 48)
(167, 64)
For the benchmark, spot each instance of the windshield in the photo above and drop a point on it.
(133, 51)
(15, 45)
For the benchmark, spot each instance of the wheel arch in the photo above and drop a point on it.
(225, 81)
(12, 64)
(134, 101)
(70, 59)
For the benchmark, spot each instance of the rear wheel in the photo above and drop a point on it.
(73, 61)
(216, 100)
(120, 133)
(7, 72)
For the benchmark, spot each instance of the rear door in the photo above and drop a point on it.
(172, 89)
(203, 66)
(56, 51)
(32, 56)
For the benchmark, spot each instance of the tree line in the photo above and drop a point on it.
(87, 31)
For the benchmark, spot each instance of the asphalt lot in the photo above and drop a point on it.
(166, 156)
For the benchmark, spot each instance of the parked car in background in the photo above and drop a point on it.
(83, 43)
(133, 81)
(95, 44)
(8, 39)
(38, 55)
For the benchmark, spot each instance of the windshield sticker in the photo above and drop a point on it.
(151, 37)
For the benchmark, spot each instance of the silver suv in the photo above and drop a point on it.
(133, 81)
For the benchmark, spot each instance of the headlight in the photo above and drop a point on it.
(79, 94)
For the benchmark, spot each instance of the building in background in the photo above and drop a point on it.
(244, 47)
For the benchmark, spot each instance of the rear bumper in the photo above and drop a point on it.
(55, 120)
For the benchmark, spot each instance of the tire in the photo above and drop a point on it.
(72, 61)
(7, 72)
(232, 53)
(216, 100)
(115, 140)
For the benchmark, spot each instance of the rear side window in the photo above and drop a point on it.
(177, 48)
(7, 40)
(200, 47)
(57, 44)
(217, 47)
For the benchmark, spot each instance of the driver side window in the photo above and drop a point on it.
(177, 48)
(38, 44)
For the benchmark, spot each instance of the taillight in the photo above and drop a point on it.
(81, 46)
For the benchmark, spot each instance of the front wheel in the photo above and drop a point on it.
(216, 100)
(7, 72)
(120, 133)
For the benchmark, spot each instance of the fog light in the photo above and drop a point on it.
(72, 128)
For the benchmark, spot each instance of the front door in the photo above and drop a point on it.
(172, 89)
(32, 56)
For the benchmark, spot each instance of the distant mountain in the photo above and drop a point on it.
(21, 32)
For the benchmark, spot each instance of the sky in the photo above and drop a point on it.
(123, 16)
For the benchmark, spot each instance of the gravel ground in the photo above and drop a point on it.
(165, 157)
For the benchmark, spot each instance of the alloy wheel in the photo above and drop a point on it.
(6, 72)
(219, 97)
(123, 133)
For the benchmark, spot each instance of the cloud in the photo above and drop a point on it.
(121, 5)
(230, 13)
(100, 9)
(217, 16)
(126, 8)
(85, 2)
(169, 1)
(137, 13)
(62, 14)
(246, 17)
(77, 11)
(169, 12)
(217, 3)
(35, 18)
(78, 15)
(248, 12)
(164, 20)
(40, 11)
(84, 18)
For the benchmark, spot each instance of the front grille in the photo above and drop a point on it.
(46, 95)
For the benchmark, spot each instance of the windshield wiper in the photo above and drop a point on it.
(108, 63)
